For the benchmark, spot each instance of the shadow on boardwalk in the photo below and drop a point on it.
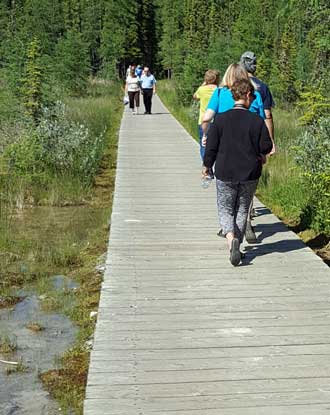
(266, 231)
(283, 247)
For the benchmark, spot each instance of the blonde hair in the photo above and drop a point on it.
(235, 72)
(211, 77)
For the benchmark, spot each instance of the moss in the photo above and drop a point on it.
(9, 300)
(7, 345)
(35, 327)
(68, 383)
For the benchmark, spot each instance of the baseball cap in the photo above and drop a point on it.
(249, 61)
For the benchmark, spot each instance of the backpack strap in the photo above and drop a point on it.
(219, 92)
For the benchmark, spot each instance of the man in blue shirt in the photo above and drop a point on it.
(148, 85)
(249, 62)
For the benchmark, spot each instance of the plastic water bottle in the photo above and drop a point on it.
(206, 181)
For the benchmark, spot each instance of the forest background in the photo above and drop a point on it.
(50, 49)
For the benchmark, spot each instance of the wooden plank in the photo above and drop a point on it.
(100, 407)
(181, 331)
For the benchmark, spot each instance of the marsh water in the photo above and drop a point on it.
(42, 242)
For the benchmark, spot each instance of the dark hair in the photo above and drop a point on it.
(241, 88)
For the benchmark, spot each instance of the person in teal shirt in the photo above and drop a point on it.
(222, 99)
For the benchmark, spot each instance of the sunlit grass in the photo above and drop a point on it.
(185, 115)
(40, 243)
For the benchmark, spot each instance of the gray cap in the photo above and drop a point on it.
(249, 61)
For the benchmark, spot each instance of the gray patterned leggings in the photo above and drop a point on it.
(234, 201)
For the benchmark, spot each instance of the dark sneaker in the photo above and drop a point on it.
(253, 213)
(235, 254)
(221, 234)
(250, 236)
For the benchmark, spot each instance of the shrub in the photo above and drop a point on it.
(314, 105)
(58, 146)
(312, 154)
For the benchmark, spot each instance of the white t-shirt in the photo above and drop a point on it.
(133, 83)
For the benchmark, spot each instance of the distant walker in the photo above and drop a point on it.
(148, 85)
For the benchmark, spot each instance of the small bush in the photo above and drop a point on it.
(312, 154)
(58, 146)
(314, 105)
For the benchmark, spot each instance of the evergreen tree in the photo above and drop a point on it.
(286, 61)
(146, 31)
(32, 82)
(119, 37)
(72, 63)
(171, 42)
(91, 27)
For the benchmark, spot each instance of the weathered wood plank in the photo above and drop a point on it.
(181, 331)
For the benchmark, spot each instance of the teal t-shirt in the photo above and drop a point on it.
(222, 101)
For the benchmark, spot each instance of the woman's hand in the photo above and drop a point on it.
(205, 171)
(273, 150)
(204, 139)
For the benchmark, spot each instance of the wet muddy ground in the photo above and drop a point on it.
(21, 392)
(44, 242)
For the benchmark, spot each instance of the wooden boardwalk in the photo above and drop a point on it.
(182, 332)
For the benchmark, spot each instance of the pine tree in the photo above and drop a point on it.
(72, 63)
(119, 38)
(32, 82)
(171, 40)
(286, 62)
(146, 31)
(93, 12)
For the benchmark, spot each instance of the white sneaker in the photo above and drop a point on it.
(134, 112)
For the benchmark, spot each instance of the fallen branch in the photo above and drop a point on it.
(9, 363)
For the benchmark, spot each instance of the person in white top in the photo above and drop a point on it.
(132, 88)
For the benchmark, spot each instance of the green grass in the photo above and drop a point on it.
(39, 243)
(185, 115)
(100, 111)
(281, 186)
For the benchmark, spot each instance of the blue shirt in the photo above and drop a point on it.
(222, 101)
(265, 93)
(138, 72)
(147, 81)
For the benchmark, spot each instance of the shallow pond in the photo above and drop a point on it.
(21, 392)
(42, 242)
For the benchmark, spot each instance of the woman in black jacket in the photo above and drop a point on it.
(237, 142)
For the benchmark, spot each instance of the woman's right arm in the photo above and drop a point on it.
(265, 143)
(211, 110)
(212, 145)
(207, 118)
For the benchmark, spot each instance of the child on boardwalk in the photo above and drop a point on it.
(203, 94)
(237, 141)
